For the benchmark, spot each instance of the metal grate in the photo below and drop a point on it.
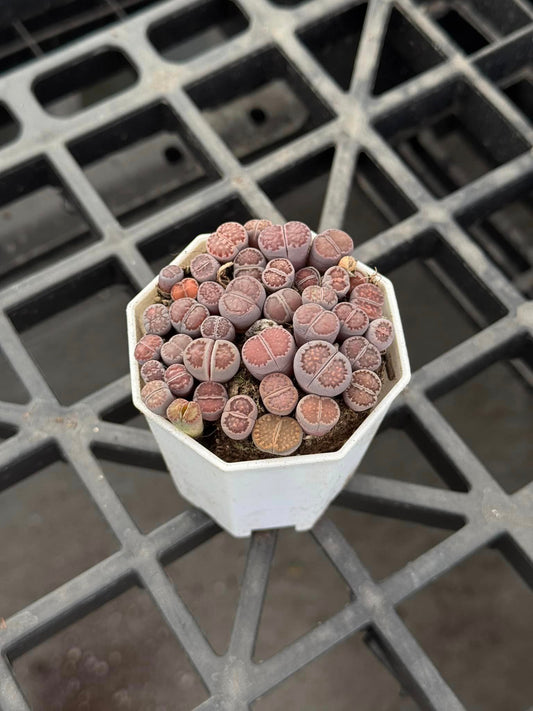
(271, 104)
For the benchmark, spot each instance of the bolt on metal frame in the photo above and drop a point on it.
(482, 515)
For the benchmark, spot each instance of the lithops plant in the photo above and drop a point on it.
(307, 276)
(212, 398)
(209, 293)
(180, 382)
(317, 415)
(291, 240)
(206, 359)
(186, 416)
(239, 417)
(328, 248)
(311, 322)
(172, 350)
(277, 435)
(168, 276)
(322, 295)
(307, 352)
(380, 333)
(249, 262)
(363, 391)
(353, 320)
(156, 320)
(186, 288)
(148, 348)
(278, 274)
(254, 229)
(217, 328)
(321, 369)
(204, 267)
(242, 302)
(368, 297)
(187, 316)
(271, 351)
(228, 239)
(361, 353)
(156, 396)
(278, 393)
(281, 305)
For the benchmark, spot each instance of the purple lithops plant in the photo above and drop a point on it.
(206, 359)
(321, 369)
(322, 295)
(361, 353)
(278, 393)
(353, 320)
(168, 276)
(212, 398)
(228, 239)
(180, 382)
(209, 293)
(249, 262)
(152, 370)
(148, 348)
(254, 229)
(328, 248)
(242, 302)
(186, 416)
(277, 435)
(204, 267)
(317, 415)
(307, 276)
(239, 417)
(380, 333)
(363, 391)
(338, 279)
(156, 320)
(157, 396)
(281, 305)
(172, 350)
(278, 274)
(291, 240)
(270, 351)
(311, 322)
(370, 298)
(187, 316)
(296, 312)
(218, 328)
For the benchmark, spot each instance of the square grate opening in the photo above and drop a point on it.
(405, 53)
(162, 248)
(143, 163)
(39, 222)
(500, 432)
(374, 203)
(84, 82)
(445, 611)
(451, 138)
(195, 30)
(11, 386)
(111, 657)
(41, 548)
(334, 42)
(9, 127)
(259, 104)
(79, 322)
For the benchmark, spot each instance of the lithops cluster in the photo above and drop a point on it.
(268, 305)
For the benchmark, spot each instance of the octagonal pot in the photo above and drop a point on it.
(265, 493)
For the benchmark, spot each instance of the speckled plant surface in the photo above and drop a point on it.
(285, 391)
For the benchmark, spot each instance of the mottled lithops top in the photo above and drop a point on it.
(269, 337)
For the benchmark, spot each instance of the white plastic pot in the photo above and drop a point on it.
(266, 493)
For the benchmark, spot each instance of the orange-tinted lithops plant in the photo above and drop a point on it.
(277, 435)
